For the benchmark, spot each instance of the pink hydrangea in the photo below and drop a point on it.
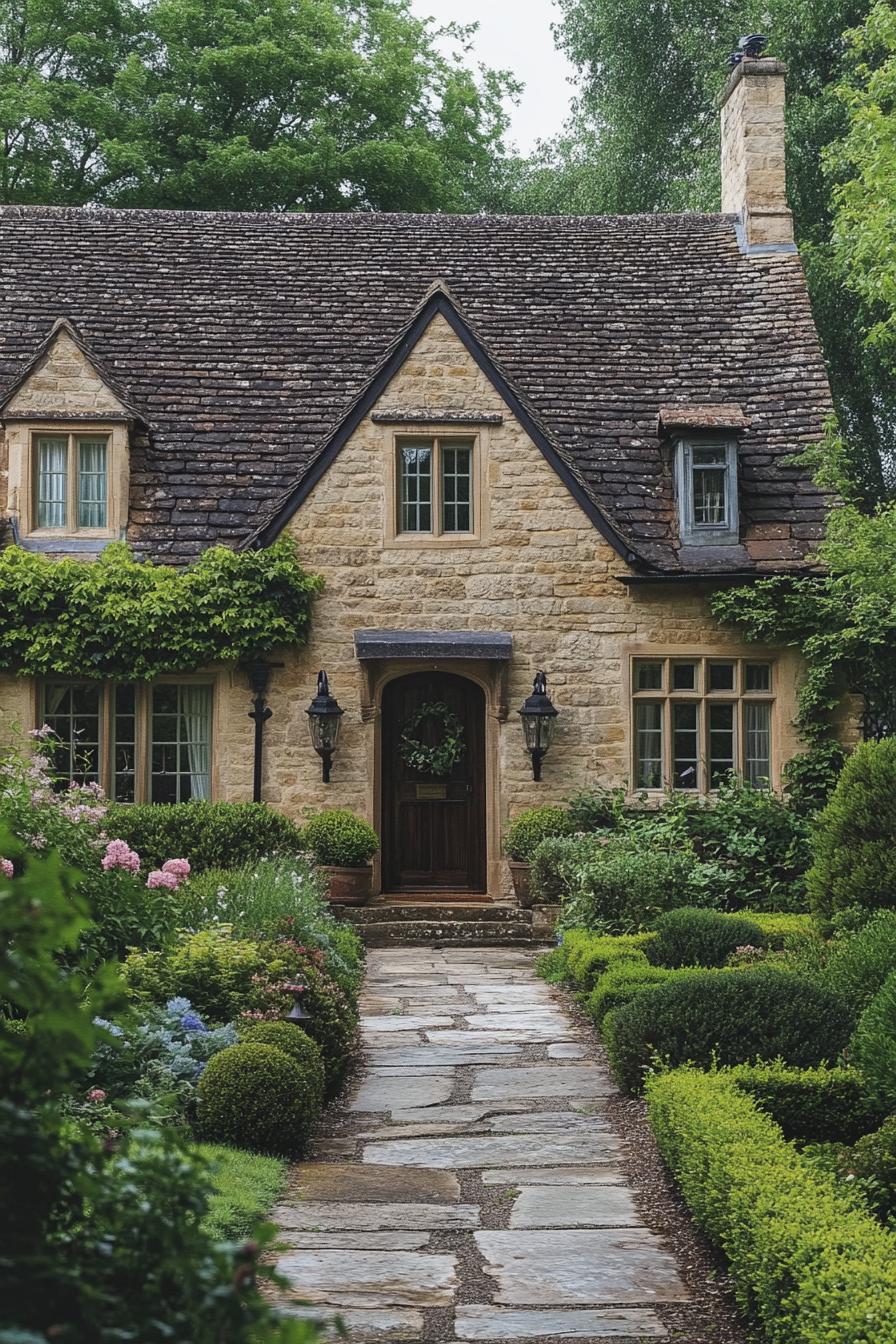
(179, 867)
(97, 1095)
(158, 878)
(6, 867)
(120, 855)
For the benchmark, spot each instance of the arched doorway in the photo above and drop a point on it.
(433, 826)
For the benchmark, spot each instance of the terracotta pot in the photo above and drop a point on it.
(348, 886)
(520, 874)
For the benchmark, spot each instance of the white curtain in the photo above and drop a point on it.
(92, 483)
(52, 470)
(757, 743)
(195, 704)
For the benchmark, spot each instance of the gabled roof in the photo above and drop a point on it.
(439, 302)
(246, 340)
(62, 327)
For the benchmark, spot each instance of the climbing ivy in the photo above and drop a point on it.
(130, 619)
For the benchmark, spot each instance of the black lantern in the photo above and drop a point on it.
(538, 716)
(297, 1013)
(323, 720)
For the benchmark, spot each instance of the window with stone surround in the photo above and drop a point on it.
(435, 480)
(706, 486)
(694, 719)
(140, 743)
(69, 483)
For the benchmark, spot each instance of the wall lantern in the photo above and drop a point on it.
(297, 1014)
(538, 716)
(323, 720)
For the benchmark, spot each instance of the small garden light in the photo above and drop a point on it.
(538, 716)
(298, 1013)
(324, 716)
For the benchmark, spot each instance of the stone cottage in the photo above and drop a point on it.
(509, 445)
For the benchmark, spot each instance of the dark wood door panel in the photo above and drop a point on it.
(433, 826)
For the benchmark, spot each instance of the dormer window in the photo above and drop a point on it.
(706, 482)
(71, 482)
(436, 487)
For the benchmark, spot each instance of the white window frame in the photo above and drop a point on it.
(71, 526)
(665, 696)
(701, 534)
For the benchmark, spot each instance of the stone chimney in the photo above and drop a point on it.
(753, 177)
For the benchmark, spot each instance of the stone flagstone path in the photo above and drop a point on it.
(474, 1189)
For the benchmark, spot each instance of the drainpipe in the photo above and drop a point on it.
(259, 674)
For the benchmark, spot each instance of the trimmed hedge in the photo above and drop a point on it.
(623, 981)
(254, 1096)
(730, 1017)
(587, 955)
(859, 964)
(874, 1045)
(210, 835)
(779, 930)
(339, 839)
(820, 1105)
(854, 858)
(527, 831)
(694, 937)
(300, 1048)
(813, 1268)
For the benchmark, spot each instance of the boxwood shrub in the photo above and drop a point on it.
(339, 839)
(820, 1105)
(804, 1259)
(255, 1096)
(623, 981)
(210, 835)
(587, 955)
(874, 1045)
(300, 1048)
(732, 1017)
(854, 858)
(694, 937)
(526, 832)
(860, 962)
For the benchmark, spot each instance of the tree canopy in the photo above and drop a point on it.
(644, 136)
(243, 105)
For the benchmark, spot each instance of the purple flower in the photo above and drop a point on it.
(6, 867)
(193, 1022)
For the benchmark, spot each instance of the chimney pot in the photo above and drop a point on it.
(753, 174)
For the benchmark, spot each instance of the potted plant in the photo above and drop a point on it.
(342, 845)
(524, 835)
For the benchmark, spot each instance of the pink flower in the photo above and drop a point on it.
(42, 733)
(179, 867)
(6, 867)
(120, 855)
(158, 878)
(96, 1094)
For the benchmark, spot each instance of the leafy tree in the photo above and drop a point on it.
(250, 104)
(865, 200)
(644, 136)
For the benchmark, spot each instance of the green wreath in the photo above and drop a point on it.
(444, 756)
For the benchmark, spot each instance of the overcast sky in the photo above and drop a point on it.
(516, 35)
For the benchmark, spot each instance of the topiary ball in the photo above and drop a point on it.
(695, 937)
(300, 1048)
(254, 1096)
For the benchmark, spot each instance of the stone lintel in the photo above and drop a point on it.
(495, 646)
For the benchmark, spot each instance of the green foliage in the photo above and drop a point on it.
(858, 963)
(622, 981)
(131, 620)
(596, 809)
(811, 777)
(339, 839)
(432, 740)
(526, 832)
(554, 862)
(843, 622)
(694, 937)
(803, 1259)
(105, 1240)
(215, 971)
(873, 1046)
(245, 1186)
(588, 955)
(782, 930)
(268, 105)
(854, 855)
(863, 168)
(210, 835)
(256, 1097)
(822, 1105)
(300, 1048)
(872, 1164)
(622, 885)
(731, 1017)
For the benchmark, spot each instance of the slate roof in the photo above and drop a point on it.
(246, 339)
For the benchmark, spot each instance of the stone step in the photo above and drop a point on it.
(400, 912)
(465, 932)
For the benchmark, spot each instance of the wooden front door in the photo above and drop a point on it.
(433, 826)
